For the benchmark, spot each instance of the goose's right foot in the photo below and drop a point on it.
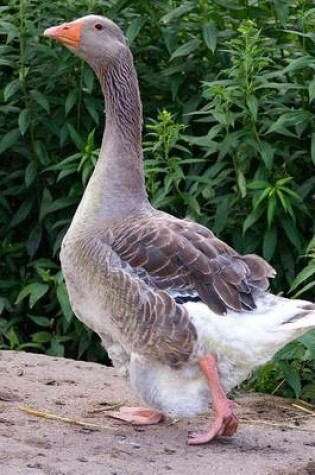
(136, 415)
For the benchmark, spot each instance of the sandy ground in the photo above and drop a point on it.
(274, 437)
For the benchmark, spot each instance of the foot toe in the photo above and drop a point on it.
(198, 438)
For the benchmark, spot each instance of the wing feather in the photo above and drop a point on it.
(181, 256)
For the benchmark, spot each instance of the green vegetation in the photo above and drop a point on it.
(228, 90)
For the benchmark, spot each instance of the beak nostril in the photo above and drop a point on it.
(66, 27)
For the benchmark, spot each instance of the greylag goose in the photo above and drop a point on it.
(183, 313)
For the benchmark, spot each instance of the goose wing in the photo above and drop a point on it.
(186, 260)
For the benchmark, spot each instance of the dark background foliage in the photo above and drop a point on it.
(228, 91)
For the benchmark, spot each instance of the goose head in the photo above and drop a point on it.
(93, 38)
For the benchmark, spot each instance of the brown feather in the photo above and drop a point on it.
(180, 255)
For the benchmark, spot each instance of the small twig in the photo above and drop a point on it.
(296, 417)
(173, 422)
(304, 409)
(308, 404)
(55, 417)
(109, 406)
(278, 387)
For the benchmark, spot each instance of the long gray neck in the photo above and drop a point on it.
(117, 184)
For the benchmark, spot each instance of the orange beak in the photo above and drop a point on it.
(68, 34)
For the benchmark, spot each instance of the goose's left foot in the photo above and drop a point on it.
(225, 420)
(225, 424)
(137, 415)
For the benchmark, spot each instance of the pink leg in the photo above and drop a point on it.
(136, 415)
(225, 421)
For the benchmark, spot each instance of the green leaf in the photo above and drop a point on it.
(41, 337)
(311, 245)
(22, 212)
(293, 379)
(6, 62)
(35, 292)
(170, 39)
(10, 89)
(282, 10)
(258, 185)
(41, 321)
(290, 119)
(308, 340)
(270, 242)
(13, 339)
(176, 13)
(267, 153)
(9, 139)
(45, 204)
(292, 351)
(77, 140)
(61, 203)
(252, 218)
(210, 35)
(308, 393)
(91, 110)
(70, 101)
(252, 104)
(284, 200)
(30, 173)
(24, 120)
(41, 152)
(291, 232)
(44, 263)
(4, 304)
(32, 346)
(63, 300)
(222, 214)
(117, 7)
(88, 79)
(56, 348)
(272, 204)
(192, 203)
(285, 180)
(186, 49)
(40, 99)
(305, 274)
(263, 195)
(311, 91)
(241, 182)
(313, 148)
(300, 63)
(34, 240)
(134, 29)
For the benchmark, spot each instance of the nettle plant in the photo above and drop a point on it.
(258, 113)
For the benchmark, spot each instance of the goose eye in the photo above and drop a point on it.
(98, 26)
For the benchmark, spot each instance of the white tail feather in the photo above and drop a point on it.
(249, 339)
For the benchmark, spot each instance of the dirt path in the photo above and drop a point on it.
(30, 445)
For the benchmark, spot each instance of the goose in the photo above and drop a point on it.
(180, 312)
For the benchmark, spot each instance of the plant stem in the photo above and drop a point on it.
(23, 69)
